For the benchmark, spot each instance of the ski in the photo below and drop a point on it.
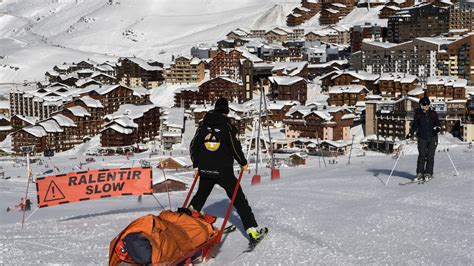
(415, 182)
(253, 245)
(230, 228)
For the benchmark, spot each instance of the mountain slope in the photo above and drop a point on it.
(71, 30)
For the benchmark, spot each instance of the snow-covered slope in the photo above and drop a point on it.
(36, 35)
(339, 215)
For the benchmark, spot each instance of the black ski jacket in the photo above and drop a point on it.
(424, 123)
(216, 128)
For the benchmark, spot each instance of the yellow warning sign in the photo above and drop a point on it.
(53, 193)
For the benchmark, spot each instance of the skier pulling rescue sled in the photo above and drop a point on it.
(177, 237)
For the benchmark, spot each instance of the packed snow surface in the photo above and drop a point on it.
(339, 214)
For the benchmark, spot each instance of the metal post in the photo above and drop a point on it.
(272, 164)
(350, 153)
(258, 133)
(27, 150)
(320, 150)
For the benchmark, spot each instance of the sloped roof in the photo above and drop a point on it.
(37, 131)
(79, 111)
(90, 102)
(347, 89)
(130, 110)
(102, 89)
(119, 129)
(174, 117)
(51, 126)
(144, 64)
(63, 120)
(285, 80)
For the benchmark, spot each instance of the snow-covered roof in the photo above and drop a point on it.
(3, 117)
(385, 45)
(130, 110)
(102, 74)
(322, 114)
(90, 102)
(144, 64)
(348, 116)
(339, 5)
(416, 91)
(447, 81)
(279, 104)
(37, 131)
(434, 40)
(238, 82)
(79, 111)
(102, 89)
(124, 121)
(90, 81)
(245, 53)
(330, 63)
(119, 129)
(182, 160)
(347, 89)
(51, 126)
(4, 105)
(330, 10)
(338, 143)
(28, 119)
(285, 80)
(195, 61)
(362, 75)
(171, 134)
(398, 77)
(457, 101)
(140, 91)
(290, 68)
(63, 120)
(174, 117)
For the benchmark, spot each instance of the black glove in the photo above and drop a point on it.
(185, 210)
(436, 129)
(409, 135)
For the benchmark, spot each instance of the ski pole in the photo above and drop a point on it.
(391, 172)
(447, 152)
(350, 153)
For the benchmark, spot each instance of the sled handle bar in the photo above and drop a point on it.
(191, 190)
(230, 206)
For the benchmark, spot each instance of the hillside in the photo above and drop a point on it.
(36, 35)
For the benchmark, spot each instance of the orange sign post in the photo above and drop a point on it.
(93, 184)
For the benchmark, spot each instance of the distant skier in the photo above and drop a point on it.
(213, 150)
(426, 125)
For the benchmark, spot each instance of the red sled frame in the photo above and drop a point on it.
(207, 247)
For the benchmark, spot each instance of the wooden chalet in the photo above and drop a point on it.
(288, 88)
(135, 72)
(326, 124)
(396, 84)
(347, 95)
(446, 88)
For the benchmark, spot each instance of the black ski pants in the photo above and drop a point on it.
(426, 153)
(228, 183)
